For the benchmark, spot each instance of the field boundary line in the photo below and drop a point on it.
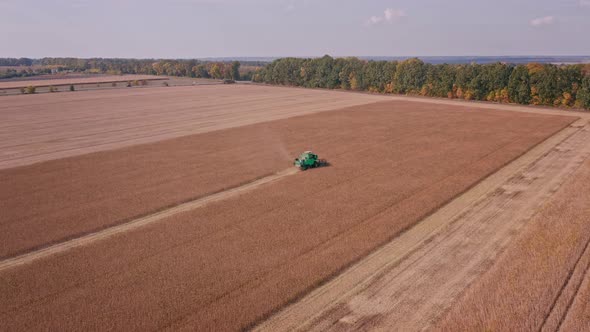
(306, 309)
(139, 222)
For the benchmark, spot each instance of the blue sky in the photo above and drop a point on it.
(211, 28)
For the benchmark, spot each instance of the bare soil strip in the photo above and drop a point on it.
(410, 282)
(42, 127)
(140, 222)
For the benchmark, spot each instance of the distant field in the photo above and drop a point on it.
(37, 82)
(50, 126)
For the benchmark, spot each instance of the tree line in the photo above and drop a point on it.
(181, 67)
(184, 68)
(537, 84)
(27, 72)
(16, 62)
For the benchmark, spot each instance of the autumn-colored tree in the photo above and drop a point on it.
(504, 96)
(424, 91)
(157, 67)
(583, 94)
(534, 68)
(492, 96)
(354, 85)
(567, 99)
(215, 72)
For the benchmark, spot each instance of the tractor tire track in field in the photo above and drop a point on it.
(568, 292)
(410, 282)
(140, 222)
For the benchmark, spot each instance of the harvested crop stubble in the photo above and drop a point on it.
(60, 199)
(519, 291)
(230, 263)
(52, 126)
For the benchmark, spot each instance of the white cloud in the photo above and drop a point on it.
(374, 20)
(393, 14)
(539, 21)
(584, 3)
(389, 15)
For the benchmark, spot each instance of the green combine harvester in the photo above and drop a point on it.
(309, 159)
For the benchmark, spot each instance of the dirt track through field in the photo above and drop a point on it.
(35, 128)
(140, 222)
(410, 282)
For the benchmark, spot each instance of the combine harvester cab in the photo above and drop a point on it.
(309, 159)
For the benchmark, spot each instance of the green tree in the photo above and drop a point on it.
(519, 85)
(215, 72)
(350, 68)
(235, 70)
(410, 75)
(544, 81)
(377, 75)
(583, 94)
(200, 71)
